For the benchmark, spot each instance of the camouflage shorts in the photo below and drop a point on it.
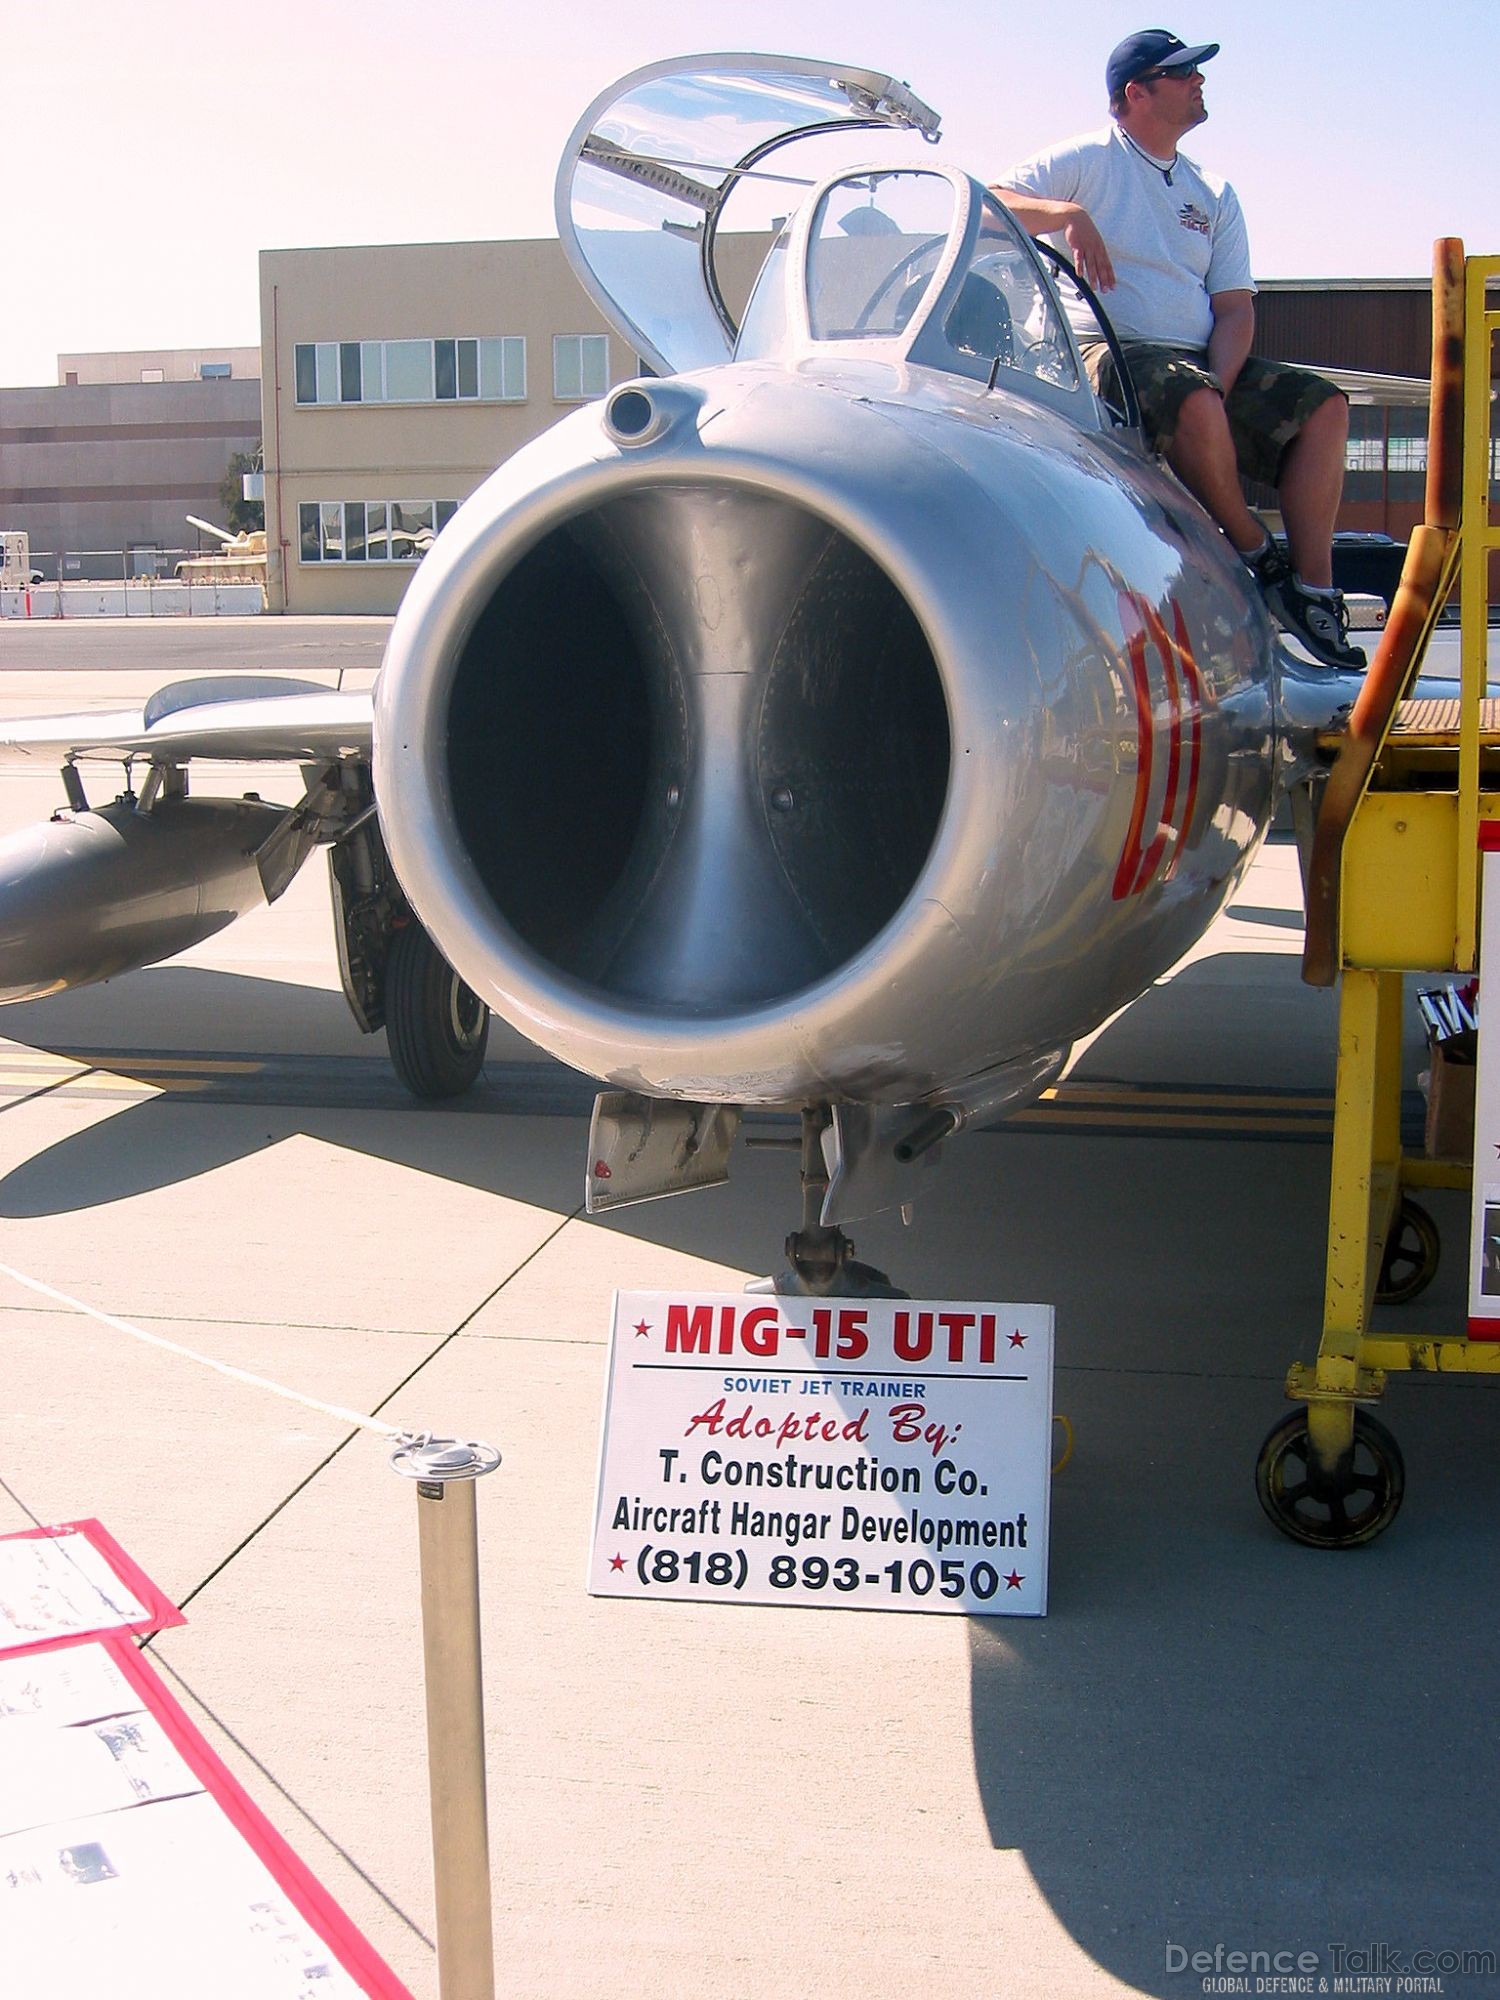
(1268, 405)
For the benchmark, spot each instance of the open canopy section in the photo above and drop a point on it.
(646, 175)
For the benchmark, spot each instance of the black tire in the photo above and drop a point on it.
(1358, 1504)
(435, 1027)
(1410, 1262)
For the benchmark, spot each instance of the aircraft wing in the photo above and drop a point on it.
(1360, 385)
(239, 718)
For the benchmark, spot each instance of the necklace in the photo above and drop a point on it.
(1149, 158)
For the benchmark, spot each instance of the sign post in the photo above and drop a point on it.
(868, 1453)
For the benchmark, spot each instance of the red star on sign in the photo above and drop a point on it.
(617, 1562)
(1014, 1582)
(642, 1328)
(1018, 1339)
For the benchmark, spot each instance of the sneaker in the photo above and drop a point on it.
(1269, 564)
(1318, 618)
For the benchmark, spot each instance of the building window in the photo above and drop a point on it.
(580, 366)
(454, 369)
(215, 371)
(1364, 454)
(370, 531)
(153, 375)
(408, 371)
(1407, 454)
(502, 370)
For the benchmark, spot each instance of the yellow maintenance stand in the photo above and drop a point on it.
(1392, 888)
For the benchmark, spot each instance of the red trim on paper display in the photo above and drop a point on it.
(303, 1890)
(160, 1611)
(1489, 836)
(1484, 1329)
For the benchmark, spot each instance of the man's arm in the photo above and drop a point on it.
(1040, 217)
(1233, 331)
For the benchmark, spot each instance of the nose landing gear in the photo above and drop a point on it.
(820, 1260)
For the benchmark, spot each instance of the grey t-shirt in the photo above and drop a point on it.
(1172, 246)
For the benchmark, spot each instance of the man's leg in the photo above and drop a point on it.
(1289, 428)
(1201, 452)
(1311, 485)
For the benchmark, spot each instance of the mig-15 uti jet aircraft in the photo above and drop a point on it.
(846, 717)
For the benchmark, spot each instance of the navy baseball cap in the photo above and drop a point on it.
(1152, 48)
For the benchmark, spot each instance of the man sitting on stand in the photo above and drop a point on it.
(1167, 242)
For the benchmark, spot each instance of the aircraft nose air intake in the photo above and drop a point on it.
(698, 748)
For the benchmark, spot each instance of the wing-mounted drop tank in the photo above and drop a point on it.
(88, 895)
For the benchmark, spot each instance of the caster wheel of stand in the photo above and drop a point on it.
(1353, 1506)
(1411, 1256)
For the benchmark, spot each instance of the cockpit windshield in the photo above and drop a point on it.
(875, 243)
(1004, 313)
(917, 264)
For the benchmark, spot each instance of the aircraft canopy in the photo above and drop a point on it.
(644, 179)
(922, 265)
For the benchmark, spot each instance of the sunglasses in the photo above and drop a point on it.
(1170, 75)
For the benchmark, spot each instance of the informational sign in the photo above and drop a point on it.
(132, 1862)
(1484, 1231)
(887, 1454)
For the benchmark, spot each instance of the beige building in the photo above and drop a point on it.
(159, 364)
(396, 377)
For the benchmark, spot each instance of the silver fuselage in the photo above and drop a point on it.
(862, 731)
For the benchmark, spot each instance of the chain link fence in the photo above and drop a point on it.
(137, 582)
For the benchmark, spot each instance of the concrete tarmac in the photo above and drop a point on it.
(1214, 1738)
(172, 648)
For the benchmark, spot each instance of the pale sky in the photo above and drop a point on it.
(152, 147)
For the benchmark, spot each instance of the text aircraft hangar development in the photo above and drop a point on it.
(846, 719)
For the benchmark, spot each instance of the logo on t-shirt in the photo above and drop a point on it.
(1191, 216)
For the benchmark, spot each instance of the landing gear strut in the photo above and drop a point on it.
(821, 1261)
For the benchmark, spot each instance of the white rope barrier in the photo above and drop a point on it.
(445, 1472)
(354, 1417)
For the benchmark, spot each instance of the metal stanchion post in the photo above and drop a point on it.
(445, 1471)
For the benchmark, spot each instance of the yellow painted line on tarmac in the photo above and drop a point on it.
(1122, 1107)
(1143, 1094)
(204, 1065)
(1176, 1121)
(40, 1063)
(97, 1079)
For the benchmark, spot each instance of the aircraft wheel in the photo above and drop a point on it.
(435, 1027)
(1411, 1255)
(1356, 1504)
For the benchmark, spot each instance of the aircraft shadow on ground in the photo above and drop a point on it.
(1214, 1735)
(186, 1009)
(350, 1098)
